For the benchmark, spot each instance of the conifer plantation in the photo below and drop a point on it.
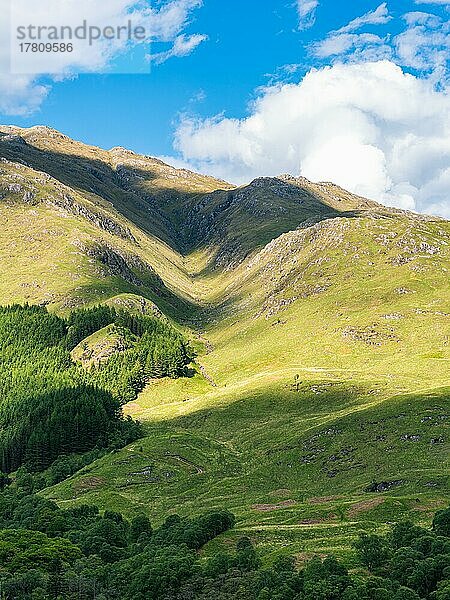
(50, 406)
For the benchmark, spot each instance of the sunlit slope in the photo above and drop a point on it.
(142, 189)
(321, 320)
(368, 295)
(61, 246)
(121, 199)
(324, 374)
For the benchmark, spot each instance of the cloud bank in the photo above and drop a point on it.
(369, 127)
(423, 45)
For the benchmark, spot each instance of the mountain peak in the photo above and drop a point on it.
(122, 150)
(39, 130)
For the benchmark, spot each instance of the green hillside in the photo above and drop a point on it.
(318, 402)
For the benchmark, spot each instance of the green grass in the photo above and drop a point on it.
(101, 345)
(269, 456)
(253, 436)
(357, 307)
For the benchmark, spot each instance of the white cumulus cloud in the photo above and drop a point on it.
(20, 94)
(346, 43)
(369, 127)
(423, 45)
(353, 46)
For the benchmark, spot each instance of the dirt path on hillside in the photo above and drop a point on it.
(185, 461)
(207, 376)
(208, 344)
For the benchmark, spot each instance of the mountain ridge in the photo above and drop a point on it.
(184, 209)
(319, 318)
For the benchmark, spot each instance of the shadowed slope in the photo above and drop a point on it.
(312, 311)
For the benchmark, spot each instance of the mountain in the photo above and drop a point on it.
(320, 399)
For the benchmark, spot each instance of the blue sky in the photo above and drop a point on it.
(253, 48)
(247, 42)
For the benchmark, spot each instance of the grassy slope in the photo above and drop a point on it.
(371, 352)
(44, 246)
(357, 307)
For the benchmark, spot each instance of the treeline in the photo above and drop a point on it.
(50, 407)
(82, 323)
(48, 553)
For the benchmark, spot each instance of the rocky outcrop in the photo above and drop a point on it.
(116, 263)
(129, 267)
(68, 203)
(28, 185)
